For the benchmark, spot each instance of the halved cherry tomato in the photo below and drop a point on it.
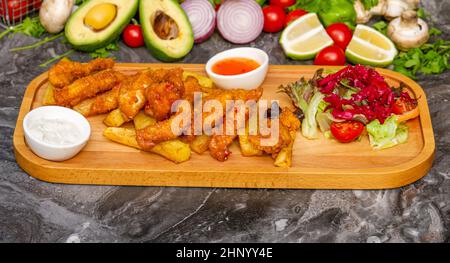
(402, 105)
(132, 36)
(346, 132)
(341, 34)
(282, 3)
(293, 15)
(330, 56)
(273, 18)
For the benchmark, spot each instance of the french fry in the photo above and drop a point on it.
(84, 107)
(202, 80)
(247, 149)
(174, 150)
(142, 120)
(115, 119)
(125, 136)
(49, 99)
(200, 144)
(284, 157)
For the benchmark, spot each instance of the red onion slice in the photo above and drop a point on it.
(240, 21)
(202, 16)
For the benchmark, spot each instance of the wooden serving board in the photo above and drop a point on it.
(317, 164)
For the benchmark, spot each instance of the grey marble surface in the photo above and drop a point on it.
(35, 211)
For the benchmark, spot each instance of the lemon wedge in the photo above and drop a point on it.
(304, 38)
(370, 47)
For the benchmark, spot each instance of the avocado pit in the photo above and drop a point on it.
(100, 16)
(165, 26)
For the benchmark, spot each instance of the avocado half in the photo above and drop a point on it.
(84, 38)
(167, 30)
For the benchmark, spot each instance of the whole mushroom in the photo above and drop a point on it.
(54, 14)
(363, 16)
(408, 31)
(395, 8)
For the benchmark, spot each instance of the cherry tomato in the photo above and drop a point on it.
(282, 3)
(330, 56)
(17, 9)
(132, 36)
(37, 4)
(341, 34)
(293, 15)
(346, 132)
(273, 18)
(401, 106)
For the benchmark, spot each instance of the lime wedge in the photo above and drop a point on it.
(304, 38)
(370, 47)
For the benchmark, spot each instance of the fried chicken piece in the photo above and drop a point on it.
(191, 85)
(132, 93)
(87, 87)
(218, 146)
(101, 104)
(65, 72)
(167, 88)
(160, 97)
(288, 122)
(160, 132)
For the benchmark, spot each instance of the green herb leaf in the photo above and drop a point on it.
(104, 52)
(381, 27)
(434, 32)
(368, 4)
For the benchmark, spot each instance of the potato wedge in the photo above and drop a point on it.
(200, 144)
(125, 136)
(142, 120)
(202, 80)
(115, 119)
(247, 149)
(49, 98)
(284, 157)
(174, 150)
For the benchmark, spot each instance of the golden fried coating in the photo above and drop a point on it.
(132, 93)
(160, 97)
(65, 72)
(288, 122)
(159, 132)
(167, 88)
(87, 87)
(105, 102)
(191, 85)
(218, 146)
(100, 104)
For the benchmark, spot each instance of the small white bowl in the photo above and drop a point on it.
(56, 152)
(249, 80)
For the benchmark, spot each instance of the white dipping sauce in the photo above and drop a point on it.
(56, 131)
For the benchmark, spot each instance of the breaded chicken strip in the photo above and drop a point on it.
(87, 87)
(132, 93)
(162, 131)
(65, 72)
(167, 88)
(288, 122)
(101, 104)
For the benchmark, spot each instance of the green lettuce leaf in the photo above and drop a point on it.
(387, 135)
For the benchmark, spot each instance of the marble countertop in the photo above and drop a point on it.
(35, 211)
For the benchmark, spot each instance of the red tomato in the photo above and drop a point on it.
(346, 132)
(37, 4)
(17, 9)
(293, 15)
(132, 36)
(401, 106)
(282, 3)
(341, 34)
(330, 56)
(273, 18)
